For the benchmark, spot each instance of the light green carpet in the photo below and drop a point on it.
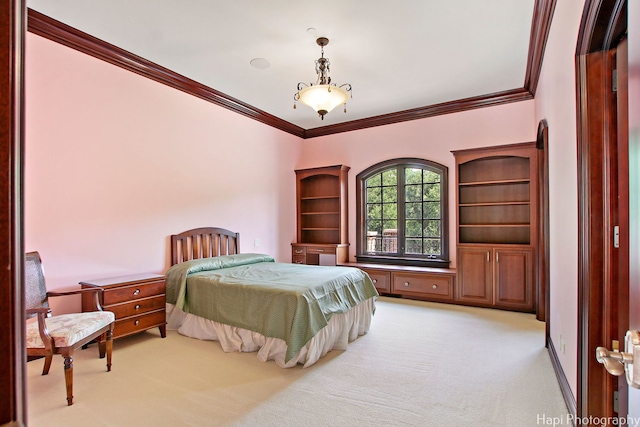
(421, 364)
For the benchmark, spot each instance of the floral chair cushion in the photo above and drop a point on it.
(68, 329)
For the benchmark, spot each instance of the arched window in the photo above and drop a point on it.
(402, 213)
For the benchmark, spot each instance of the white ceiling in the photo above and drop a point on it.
(397, 55)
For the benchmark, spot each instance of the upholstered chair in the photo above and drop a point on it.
(48, 335)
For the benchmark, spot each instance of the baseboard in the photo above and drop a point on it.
(567, 394)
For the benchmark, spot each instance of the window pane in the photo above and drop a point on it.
(432, 247)
(390, 194)
(412, 176)
(373, 195)
(431, 192)
(390, 177)
(413, 246)
(413, 228)
(390, 224)
(413, 210)
(390, 211)
(431, 210)
(430, 177)
(413, 193)
(374, 181)
(431, 228)
(374, 212)
(390, 239)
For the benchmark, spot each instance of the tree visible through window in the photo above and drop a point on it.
(402, 213)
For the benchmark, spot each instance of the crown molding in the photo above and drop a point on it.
(44, 26)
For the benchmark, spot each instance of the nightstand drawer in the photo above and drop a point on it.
(132, 292)
(431, 285)
(136, 307)
(130, 325)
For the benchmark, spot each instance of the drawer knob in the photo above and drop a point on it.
(137, 322)
(138, 305)
(434, 286)
(406, 283)
(375, 281)
(136, 292)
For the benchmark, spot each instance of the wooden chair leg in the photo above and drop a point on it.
(68, 378)
(102, 345)
(47, 364)
(109, 348)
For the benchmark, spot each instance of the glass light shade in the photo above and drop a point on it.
(323, 98)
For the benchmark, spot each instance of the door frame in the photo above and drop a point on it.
(603, 24)
(13, 409)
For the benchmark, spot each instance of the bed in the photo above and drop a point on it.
(289, 313)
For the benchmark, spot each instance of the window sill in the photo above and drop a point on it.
(432, 263)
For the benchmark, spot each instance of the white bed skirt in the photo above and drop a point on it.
(342, 329)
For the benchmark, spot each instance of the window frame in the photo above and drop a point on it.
(441, 261)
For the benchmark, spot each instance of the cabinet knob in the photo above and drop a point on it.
(137, 322)
(375, 281)
(137, 307)
(136, 292)
(434, 286)
(406, 283)
(298, 251)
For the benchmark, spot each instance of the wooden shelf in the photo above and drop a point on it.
(497, 226)
(321, 195)
(499, 182)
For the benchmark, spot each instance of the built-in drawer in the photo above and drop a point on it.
(299, 259)
(133, 324)
(299, 250)
(132, 292)
(317, 250)
(140, 306)
(381, 279)
(428, 284)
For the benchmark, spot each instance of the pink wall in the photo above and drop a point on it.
(432, 138)
(115, 163)
(556, 102)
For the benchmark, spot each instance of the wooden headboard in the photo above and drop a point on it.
(203, 242)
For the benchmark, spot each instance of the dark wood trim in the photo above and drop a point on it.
(13, 408)
(58, 32)
(565, 387)
(540, 26)
(490, 100)
(544, 234)
(603, 24)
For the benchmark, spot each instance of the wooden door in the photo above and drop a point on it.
(475, 275)
(513, 278)
(603, 261)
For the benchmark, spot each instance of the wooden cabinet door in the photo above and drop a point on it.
(514, 278)
(475, 275)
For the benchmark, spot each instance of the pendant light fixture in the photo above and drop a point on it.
(322, 96)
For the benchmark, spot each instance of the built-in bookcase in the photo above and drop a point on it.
(322, 214)
(497, 226)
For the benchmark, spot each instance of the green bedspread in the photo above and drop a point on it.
(251, 291)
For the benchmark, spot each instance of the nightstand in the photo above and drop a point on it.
(137, 300)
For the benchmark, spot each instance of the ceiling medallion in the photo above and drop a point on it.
(322, 96)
